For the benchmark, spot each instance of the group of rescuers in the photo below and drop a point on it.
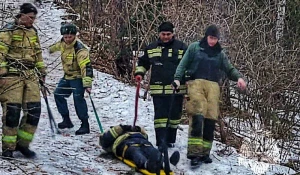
(194, 70)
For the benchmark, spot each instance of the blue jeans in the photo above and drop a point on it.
(63, 90)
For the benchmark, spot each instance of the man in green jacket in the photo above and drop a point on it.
(203, 62)
(78, 76)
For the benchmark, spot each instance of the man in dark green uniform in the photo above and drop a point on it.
(203, 62)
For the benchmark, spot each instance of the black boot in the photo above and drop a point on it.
(206, 159)
(196, 162)
(66, 123)
(84, 129)
(7, 154)
(26, 151)
(174, 159)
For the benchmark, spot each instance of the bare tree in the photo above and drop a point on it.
(261, 38)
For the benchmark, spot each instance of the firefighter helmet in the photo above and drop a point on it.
(68, 29)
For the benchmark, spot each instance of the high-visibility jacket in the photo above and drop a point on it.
(75, 61)
(164, 59)
(20, 49)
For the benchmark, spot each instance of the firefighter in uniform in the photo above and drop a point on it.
(132, 143)
(202, 62)
(78, 77)
(163, 56)
(21, 68)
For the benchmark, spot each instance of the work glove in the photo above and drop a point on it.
(138, 78)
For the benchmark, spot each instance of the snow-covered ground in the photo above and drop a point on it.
(69, 154)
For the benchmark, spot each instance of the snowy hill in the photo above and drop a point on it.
(69, 154)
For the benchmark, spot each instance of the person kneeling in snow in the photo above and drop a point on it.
(132, 143)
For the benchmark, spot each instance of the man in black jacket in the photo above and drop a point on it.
(163, 56)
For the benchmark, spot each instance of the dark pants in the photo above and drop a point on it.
(140, 154)
(63, 90)
(161, 111)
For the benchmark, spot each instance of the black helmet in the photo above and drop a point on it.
(68, 29)
(28, 8)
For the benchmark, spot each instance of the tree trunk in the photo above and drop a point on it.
(281, 6)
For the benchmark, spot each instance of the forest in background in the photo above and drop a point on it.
(261, 37)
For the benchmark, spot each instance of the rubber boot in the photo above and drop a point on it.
(84, 129)
(7, 154)
(66, 123)
(26, 151)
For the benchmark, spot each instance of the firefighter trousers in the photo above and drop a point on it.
(18, 93)
(162, 106)
(203, 110)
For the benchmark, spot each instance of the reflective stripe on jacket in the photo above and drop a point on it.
(20, 49)
(164, 59)
(75, 61)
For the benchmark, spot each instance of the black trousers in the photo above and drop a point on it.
(162, 106)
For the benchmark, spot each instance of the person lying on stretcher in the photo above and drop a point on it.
(132, 143)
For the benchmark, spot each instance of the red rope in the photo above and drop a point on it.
(136, 102)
